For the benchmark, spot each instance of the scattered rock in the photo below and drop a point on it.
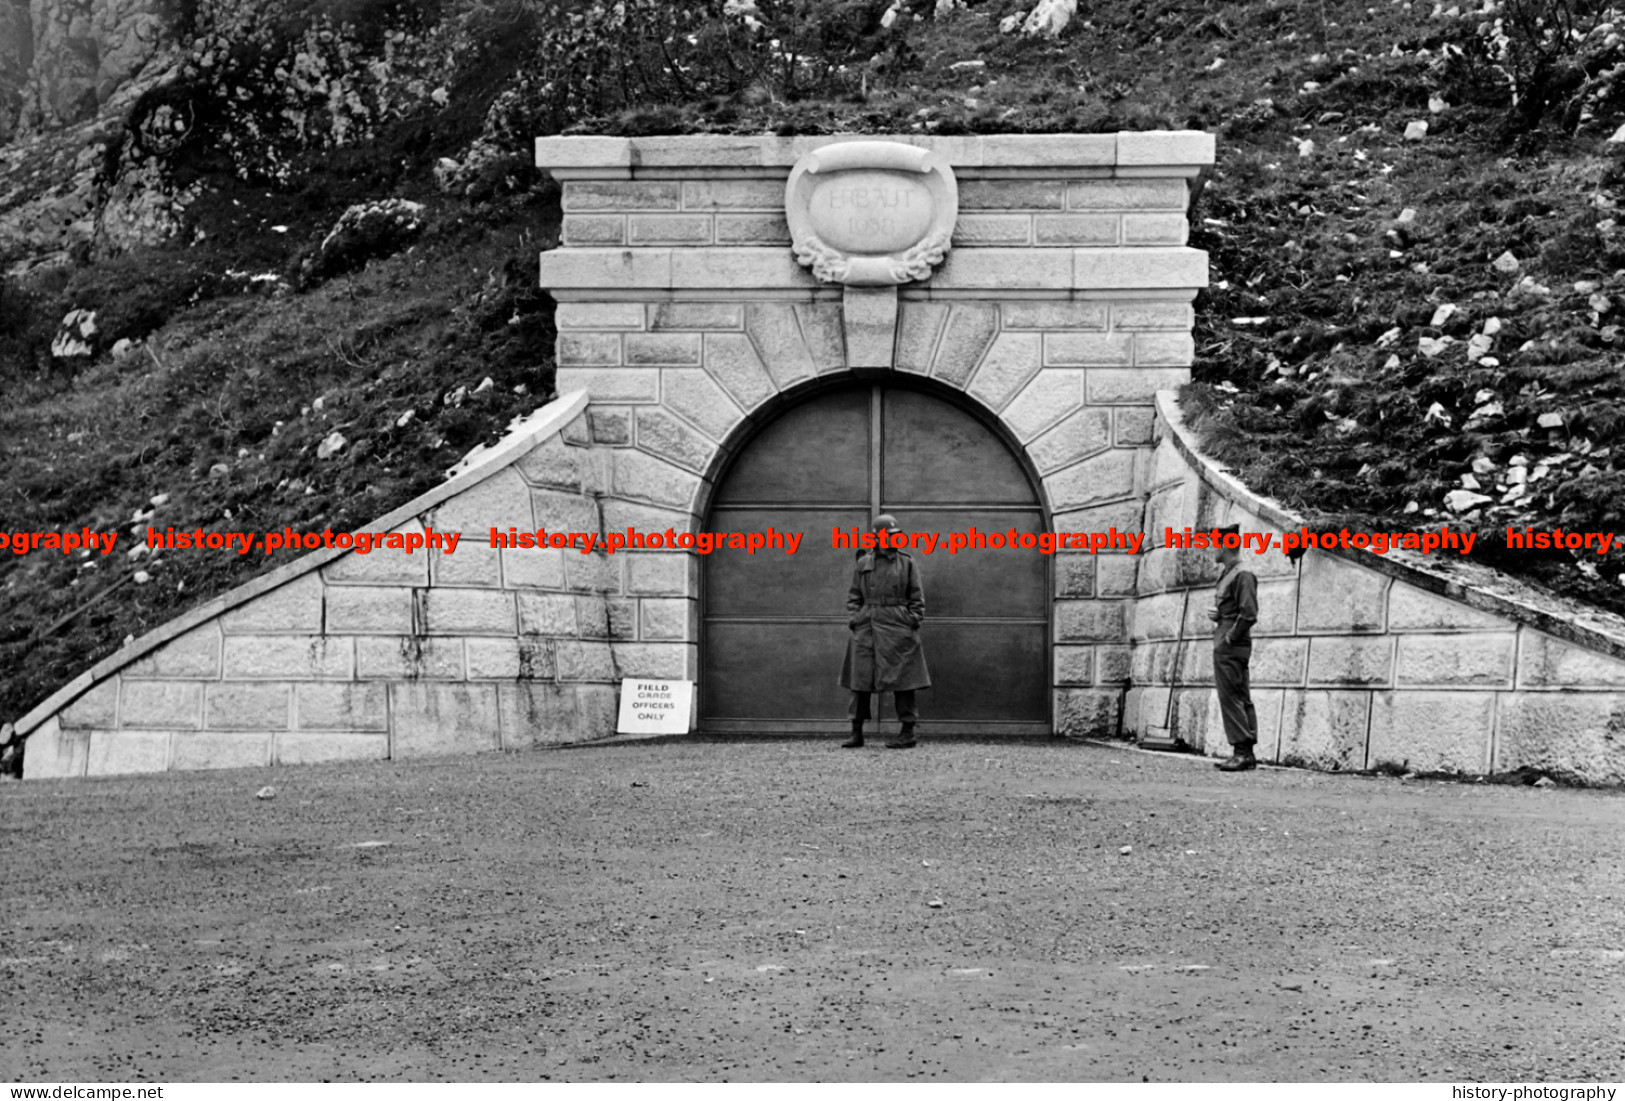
(331, 446)
(1125, 850)
(1406, 216)
(1550, 420)
(1505, 262)
(1442, 314)
(1619, 136)
(935, 904)
(1432, 346)
(1416, 131)
(364, 232)
(142, 577)
(73, 335)
(1050, 17)
(1437, 105)
(1545, 782)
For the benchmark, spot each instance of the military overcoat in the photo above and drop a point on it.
(885, 608)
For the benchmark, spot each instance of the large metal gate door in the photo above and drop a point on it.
(774, 626)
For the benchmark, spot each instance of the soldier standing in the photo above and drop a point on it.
(1234, 612)
(885, 607)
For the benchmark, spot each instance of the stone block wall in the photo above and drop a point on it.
(344, 656)
(1365, 661)
(1062, 308)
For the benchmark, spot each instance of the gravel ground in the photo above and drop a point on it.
(707, 911)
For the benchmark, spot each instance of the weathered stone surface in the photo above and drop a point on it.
(1351, 659)
(342, 707)
(1582, 735)
(1054, 315)
(1088, 713)
(1126, 195)
(1152, 315)
(1088, 349)
(1090, 621)
(535, 714)
(733, 195)
(869, 324)
(208, 749)
(599, 315)
(669, 619)
(616, 195)
(1125, 516)
(167, 705)
(55, 754)
(648, 520)
(695, 396)
(972, 230)
(547, 614)
(1339, 596)
(97, 708)
(593, 572)
(567, 514)
(293, 607)
(123, 752)
(1482, 659)
(694, 315)
(589, 349)
(663, 349)
(382, 566)
(1546, 662)
(533, 567)
(1011, 361)
(585, 661)
(1134, 426)
(1432, 731)
(672, 229)
(246, 706)
(434, 718)
(661, 434)
(1112, 664)
(633, 384)
(1326, 730)
(1414, 609)
(500, 501)
(593, 230)
(1075, 575)
(467, 612)
(918, 326)
(776, 334)
(1136, 386)
(1102, 478)
(1099, 230)
(358, 609)
(194, 654)
(1155, 229)
(592, 616)
(1162, 349)
(474, 564)
(510, 658)
(752, 229)
(1277, 607)
(1117, 574)
(822, 330)
(1074, 666)
(409, 657)
(1078, 435)
(1171, 510)
(643, 477)
(287, 657)
(1158, 616)
(315, 749)
(651, 659)
(965, 340)
(731, 359)
(1275, 661)
(1044, 402)
(1011, 195)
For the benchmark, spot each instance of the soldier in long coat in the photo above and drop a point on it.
(885, 607)
(1235, 610)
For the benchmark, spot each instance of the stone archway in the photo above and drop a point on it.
(772, 626)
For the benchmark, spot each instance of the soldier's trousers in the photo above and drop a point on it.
(858, 710)
(1235, 698)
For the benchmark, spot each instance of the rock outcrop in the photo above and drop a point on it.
(80, 55)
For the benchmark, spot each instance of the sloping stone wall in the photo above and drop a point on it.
(1363, 660)
(342, 656)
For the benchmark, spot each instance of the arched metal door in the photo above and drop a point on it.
(774, 625)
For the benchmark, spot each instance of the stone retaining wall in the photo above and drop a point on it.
(1363, 660)
(342, 656)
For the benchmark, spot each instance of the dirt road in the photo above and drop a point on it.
(790, 911)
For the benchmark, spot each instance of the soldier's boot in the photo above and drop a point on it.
(856, 740)
(1240, 760)
(904, 740)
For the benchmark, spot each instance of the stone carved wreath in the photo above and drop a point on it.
(918, 261)
(827, 264)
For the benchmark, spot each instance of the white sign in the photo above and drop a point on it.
(655, 706)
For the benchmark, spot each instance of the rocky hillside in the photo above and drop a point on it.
(273, 263)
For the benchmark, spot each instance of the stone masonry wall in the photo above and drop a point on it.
(1063, 307)
(1362, 661)
(343, 656)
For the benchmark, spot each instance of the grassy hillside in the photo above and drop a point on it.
(1327, 369)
